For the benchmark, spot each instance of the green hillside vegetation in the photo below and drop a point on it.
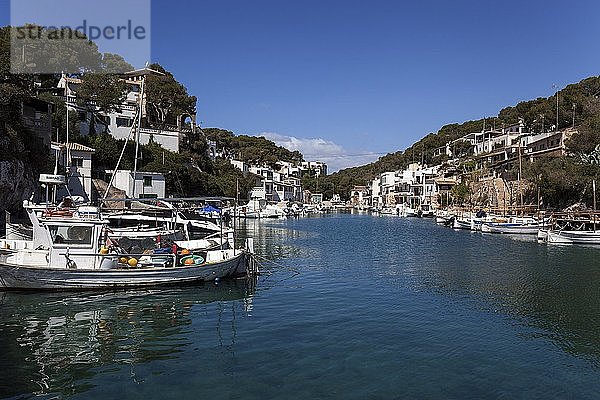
(191, 172)
(251, 148)
(562, 181)
(188, 173)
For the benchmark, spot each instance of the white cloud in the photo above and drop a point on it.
(318, 149)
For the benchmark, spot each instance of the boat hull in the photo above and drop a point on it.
(573, 237)
(42, 278)
(457, 224)
(510, 229)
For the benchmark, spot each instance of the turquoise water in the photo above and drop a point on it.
(355, 307)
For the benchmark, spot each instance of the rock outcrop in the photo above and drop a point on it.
(18, 181)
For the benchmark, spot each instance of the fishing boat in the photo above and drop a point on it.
(408, 211)
(16, 230)
(573, 237)
(460, 223)
(514, 225)
(574, 228)
(272, 211)
(71, 251)
(443, 217)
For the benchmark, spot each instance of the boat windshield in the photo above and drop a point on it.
(72, 235)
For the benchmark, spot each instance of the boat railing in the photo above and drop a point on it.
(574, 220)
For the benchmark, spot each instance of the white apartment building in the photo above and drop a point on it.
(274, 186)
(414, 186)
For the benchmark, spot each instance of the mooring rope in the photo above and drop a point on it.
(265, 263)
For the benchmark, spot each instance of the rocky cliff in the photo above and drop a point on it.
(18, 181)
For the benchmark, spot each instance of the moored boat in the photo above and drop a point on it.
(574, 228)
(461, 224)
(573, 237)
(72, 252)
(514, 225)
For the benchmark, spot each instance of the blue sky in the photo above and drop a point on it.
(346, 80)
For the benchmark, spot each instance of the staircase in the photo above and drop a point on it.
(491, 192)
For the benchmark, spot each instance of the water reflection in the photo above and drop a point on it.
(551, 291)
(54, 342)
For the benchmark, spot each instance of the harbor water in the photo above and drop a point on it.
(347, 307)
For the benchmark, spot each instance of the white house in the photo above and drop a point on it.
(120, 123)
(76, 159)
(242, 166)
(359, 196)
(79, 175)
(317, 167)
(414, 185)
(143, 185)
(375, 189)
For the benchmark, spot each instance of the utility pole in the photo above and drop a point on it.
(574, 106)
(543, 117)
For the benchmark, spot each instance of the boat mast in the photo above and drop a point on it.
(68, 151)
(237, 197)
(137, 134)
(594, 191)
(520, 174)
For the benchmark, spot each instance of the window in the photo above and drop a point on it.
(77, 162)
(128, 122)
(147, 181)
(71, 235)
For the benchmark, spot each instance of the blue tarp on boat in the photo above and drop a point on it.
(209, 209)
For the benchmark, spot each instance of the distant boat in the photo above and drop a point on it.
(443, 217)
(462, 224)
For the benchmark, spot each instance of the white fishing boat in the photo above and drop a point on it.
(70, 251)
(462, 223)
(514, 225)
(573, 237)
(443, 217)
(389, 211)
(408, 211)
(252, 209)
(574, 228)
(272, 211)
